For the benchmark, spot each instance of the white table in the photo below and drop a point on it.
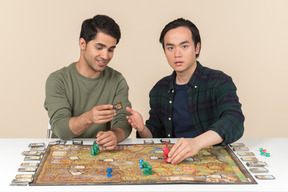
(11, 158)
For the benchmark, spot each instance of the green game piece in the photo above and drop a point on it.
(267, 154)
(263, 153)
(260, 149)
(147, 170)
(94, 149)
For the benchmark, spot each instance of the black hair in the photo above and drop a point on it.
(182, 23)
(99, 23)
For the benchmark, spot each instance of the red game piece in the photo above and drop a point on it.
(166, 151)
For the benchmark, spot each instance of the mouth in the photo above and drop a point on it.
(178, 63)
(101, 63)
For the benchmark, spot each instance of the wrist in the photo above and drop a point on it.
(119, 134)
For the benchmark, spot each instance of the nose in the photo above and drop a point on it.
(104, 54)
(177, 53)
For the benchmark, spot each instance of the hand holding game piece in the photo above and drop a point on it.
(101, 114)
(107, 140)
(183, 149)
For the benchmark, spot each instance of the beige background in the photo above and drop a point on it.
(247, 39)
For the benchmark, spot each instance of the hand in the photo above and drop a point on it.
(107, 139)
(183, 149)
(135, 120)
(101, 114)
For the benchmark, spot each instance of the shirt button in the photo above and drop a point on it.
(195, 86)
(172, 91)
(168, 135)
(169, 118)
(170, 101)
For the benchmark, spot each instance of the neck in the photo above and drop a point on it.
(86, 71)
(184, 77)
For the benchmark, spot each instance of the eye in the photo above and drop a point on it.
(99, 48)
(185, 46)
(169, 48)
(111, 50)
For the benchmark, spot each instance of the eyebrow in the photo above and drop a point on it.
(103, 45)
(183, 42)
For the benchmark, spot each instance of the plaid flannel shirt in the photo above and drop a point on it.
(212, 102)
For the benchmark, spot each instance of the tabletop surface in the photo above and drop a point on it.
(11, 158)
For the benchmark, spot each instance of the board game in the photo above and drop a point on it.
(74, 165)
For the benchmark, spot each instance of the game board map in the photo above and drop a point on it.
(74, 165)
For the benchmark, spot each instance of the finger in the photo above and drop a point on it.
(175, 147)
(179, 156)
(131, 111)
(110, 145)
(104, 107)
(99, 134)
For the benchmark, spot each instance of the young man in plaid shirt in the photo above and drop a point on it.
(196, 104)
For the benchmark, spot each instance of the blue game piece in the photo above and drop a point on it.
(140, 160)
(109, 171)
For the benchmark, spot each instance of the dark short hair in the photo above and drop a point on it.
(182, 23)
(99, 23)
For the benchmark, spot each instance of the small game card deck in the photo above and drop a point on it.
(240, 149)
(249, 159)
(77, 142)
(117, 106)
(37, 145)
(246, 153)
(22, 180)
(165, 140)
(27, 169)
(59, 142)
(259, 170)
(16, 182)
(29, 164)
(40, 149)
(256, 164)
(149, 141)
(265, 177)
(32, 153)
(32, 158)
(237, 145)
(18, 176)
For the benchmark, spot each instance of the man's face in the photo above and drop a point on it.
(180, 50)
(97, 53)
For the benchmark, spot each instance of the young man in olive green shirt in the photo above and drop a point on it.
(79, 97)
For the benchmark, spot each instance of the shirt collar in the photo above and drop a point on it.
(193, 82)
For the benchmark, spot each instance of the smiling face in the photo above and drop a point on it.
(180, 50)
(96, 54)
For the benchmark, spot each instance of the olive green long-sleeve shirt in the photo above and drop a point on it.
(69, 94)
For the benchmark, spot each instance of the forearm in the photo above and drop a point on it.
(146, 133)
(80, 124)
(207, 139)
(119, 133)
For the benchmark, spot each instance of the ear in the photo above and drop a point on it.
(197, 50)
(82, 44)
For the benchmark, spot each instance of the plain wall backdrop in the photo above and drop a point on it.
(247, 39)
